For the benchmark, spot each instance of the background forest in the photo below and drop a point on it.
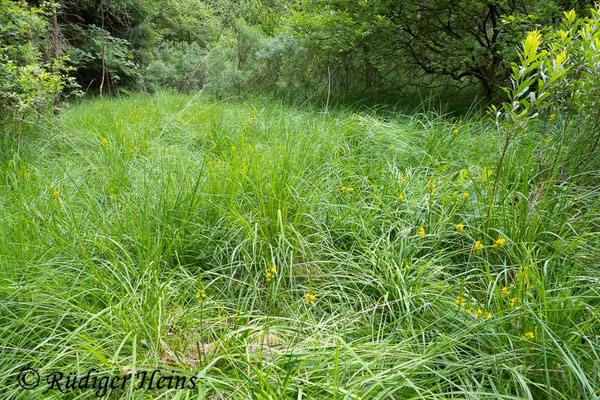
(301, 49)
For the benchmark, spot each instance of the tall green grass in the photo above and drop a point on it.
(115, 216)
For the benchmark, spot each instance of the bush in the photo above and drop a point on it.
(178, 66)
(28, 81)
(558, 74)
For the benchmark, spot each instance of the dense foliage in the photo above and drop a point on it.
(29, 79)
(310, 48)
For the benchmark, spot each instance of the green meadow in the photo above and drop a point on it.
(280, 251)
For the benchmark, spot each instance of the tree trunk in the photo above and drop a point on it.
(103, 49)
(368, 67)
(56, 48)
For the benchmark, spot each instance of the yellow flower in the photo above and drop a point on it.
(376, 119)
(271, 273)
(528, 335)
(477, 246)
(56, 194)
(430, 187)
(233, 148)
(478, 313)
(465, 195)
(400, 197)
(460, 227)
(513, 301)
(201, 296)
(504, 291)
(343, 189)
(350, 189)
(552, 117)
(392, 146)
(455, 131)
(468, 311)
(461, 301)
(488, 315)
(104, 142)
(403, 180)
(421, 232)
(499, 242)
(310, 298)
(135, 148)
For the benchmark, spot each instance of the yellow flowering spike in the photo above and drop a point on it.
(460, 227)
(552, 117)
(528, 335)
(455, 131)
(270, 272)
(201, 295)
(430, 187)
(504, 291)
(56, 195)
(477, 246)
(478, 313)
(310, 298)
(513, 301)
(499, 242)
(465, 195)
(421, 232)
(400, 197)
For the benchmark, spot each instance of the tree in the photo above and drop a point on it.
(465, 38)
(28, 79)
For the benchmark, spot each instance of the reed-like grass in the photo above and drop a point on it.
(117, 214)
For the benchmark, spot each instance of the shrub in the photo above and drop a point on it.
(559, 73)
(178, 66)
(28, 80)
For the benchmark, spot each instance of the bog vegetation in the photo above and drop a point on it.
(185, 185)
